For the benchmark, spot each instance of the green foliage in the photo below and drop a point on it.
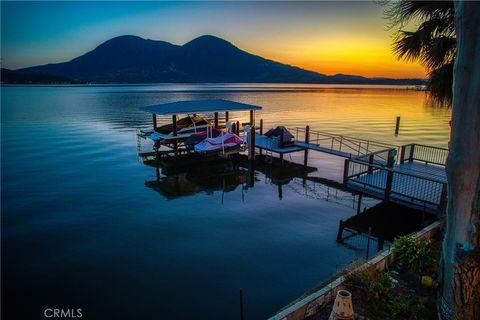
(418, 256)
(406, 308)
(374, 284)
(429, 40)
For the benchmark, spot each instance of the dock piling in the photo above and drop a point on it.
(368, 242)
(174, 124)
(175, 142)
(345, 171)
(261, 133)
(359, 205)
(241, 304)
(216, 119)
(340, 231)
(307, 141)
(154, 122)
(251, 147)
(397, 126)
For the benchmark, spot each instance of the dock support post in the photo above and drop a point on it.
(251, 174)
(280, 191)
(252, 118)
(216, 119)
(340, 231)
(154, 122)
(424, 214)
(251, 147)
(307, 141)
(174, 125)
(368, 243)
(227, 116)
(345, 171)
(238, 128)
(359, 205)
(397, 126)
(261, 133)
(241, 304)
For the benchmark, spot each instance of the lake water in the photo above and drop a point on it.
(82, 226)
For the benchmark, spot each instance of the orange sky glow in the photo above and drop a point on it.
(327, 37)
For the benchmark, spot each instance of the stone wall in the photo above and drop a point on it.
(308, 305)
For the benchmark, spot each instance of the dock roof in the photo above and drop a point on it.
(198, 106)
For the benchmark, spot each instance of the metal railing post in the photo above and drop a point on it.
(390, 165)
(412, 148)
(370, 161)
(402, 154)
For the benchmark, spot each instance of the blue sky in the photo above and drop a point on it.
(322, 36)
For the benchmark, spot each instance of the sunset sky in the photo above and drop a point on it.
(327, 37)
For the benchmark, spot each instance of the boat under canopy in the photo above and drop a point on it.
(282, 135)
(180, 131)
(184, 124)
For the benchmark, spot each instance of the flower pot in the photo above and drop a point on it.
(342, 307)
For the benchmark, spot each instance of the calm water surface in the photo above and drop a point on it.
(83, 228)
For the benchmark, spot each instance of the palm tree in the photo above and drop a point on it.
(435, 46)
(460, 288)
(433, 43)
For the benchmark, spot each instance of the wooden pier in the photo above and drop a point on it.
(416, 178)
(411, 175)
(320, 141)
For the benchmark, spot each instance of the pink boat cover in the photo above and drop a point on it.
(226, 140)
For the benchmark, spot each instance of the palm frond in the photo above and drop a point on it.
(408, 46)
(402, 12)
(441, 51)
(440, 83)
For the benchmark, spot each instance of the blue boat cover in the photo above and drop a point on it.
(198, 106)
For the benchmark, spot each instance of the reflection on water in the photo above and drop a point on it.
(85, 225)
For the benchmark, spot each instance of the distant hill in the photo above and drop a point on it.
(15, 77)
(131, 59)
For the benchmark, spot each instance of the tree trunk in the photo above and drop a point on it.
(461, 246)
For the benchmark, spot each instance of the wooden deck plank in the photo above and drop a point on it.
(416, 191)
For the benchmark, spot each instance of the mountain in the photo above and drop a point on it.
(131, 59)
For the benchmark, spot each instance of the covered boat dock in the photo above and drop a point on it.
(193, 107)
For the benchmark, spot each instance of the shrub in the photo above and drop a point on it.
(406, 308)
(418, 256)
(374, 285)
